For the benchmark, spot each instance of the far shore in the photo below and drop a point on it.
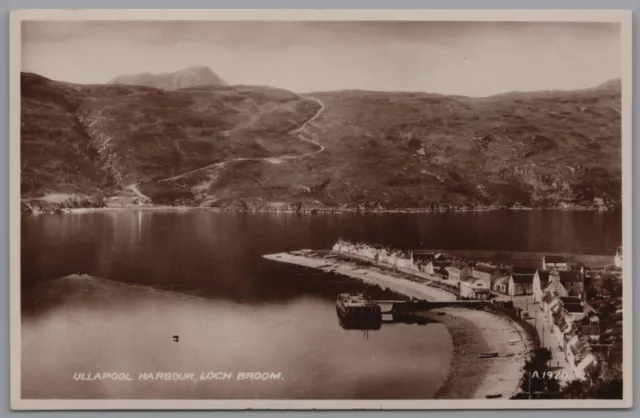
(321, 210)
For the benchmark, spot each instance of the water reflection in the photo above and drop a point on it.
(386, 319)
(103, 326)
(202, 250)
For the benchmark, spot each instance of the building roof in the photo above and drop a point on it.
(423, 258)
(543, 275)
(524, 270)
(570, 276)
(554, 259)
(428, 254)
(423, 252)
(457, 265)
(574, 307)
(502, 280)
(590, 309)
(485, 268)
(522, 278)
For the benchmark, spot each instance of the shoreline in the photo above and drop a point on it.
(465, 371)
(473, 332)
(314, 211)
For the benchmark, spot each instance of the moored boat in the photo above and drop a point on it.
(356, 311)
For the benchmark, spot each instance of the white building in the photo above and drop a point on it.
(618, 258)
(404, 262)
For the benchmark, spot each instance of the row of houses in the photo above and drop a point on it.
(428, 263)
(474, 280)
(517, 281)
(567, 317)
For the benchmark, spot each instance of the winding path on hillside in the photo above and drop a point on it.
(134, 188)
(272, 160)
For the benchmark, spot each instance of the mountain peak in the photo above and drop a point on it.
(197, 68)
(194, 76)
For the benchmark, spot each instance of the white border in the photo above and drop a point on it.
(17, 16)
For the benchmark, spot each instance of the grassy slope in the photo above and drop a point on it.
(56, 154)
(394, 150)
(81, 139)
(405, 149)
(382, 149)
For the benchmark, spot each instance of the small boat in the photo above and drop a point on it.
(487, 355)
(512, 342)
(494, 396)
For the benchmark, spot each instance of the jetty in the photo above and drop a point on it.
(355, 311)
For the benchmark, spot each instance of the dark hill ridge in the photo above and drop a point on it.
(381, 149)
(188, 77)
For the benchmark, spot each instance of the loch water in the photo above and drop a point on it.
(107, 292)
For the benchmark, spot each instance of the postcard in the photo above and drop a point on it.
(320, 209)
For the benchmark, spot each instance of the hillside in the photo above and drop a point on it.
(539, 149)
(96, 141)
(248, 146)
(185, 78)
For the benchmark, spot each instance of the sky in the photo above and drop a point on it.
(464, 58)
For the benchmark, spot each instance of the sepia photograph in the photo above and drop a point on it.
(320, 209)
